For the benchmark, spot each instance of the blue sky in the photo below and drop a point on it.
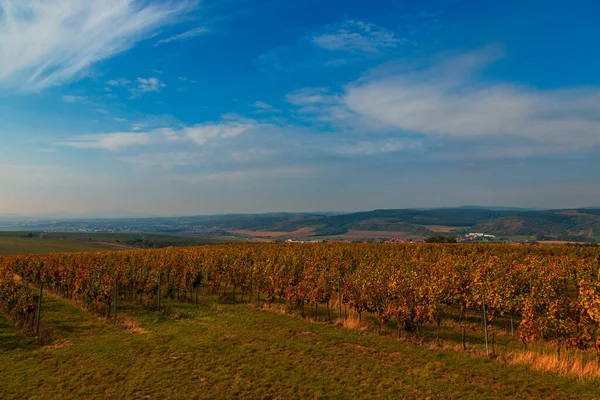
(199, 107)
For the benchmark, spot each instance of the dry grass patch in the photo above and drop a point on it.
(132, 326)
(565, 365)
(59, 344)
(354, 322)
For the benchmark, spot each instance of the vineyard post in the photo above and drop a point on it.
(487, 349)
(512, 327)
(339, 301)
(115, 301)
(158, 297)
(39, 309)
(250, 299)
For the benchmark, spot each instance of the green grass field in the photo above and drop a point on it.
(12, 243)
(20, 245)
(224, 350)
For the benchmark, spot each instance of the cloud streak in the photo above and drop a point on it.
(147, 86)
(111, 141)
(52, 42)
(358, 36)
(72, 99)
(447, 100)
(201, 30)
(200, 134)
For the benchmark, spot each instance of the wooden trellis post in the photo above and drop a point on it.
(158, 297)
(39, 309)
(487, 349)
(116, 295)
(339, 301)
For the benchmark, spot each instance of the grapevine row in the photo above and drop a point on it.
(553, 291)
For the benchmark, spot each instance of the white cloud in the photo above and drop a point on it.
(186, 79)
(146, 85)
(310, 96)
(446, 99)
(202, 134)
(357, 36)
(320, 106)
(198, 134)
(149, 85)
(72, 99)
(201, 30)
(262, 107)
(118, 82)
(110, 141)
(102, 111)
(52, 42)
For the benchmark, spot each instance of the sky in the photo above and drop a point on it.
(240, 106)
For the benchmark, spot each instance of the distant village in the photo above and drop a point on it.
(467, 238)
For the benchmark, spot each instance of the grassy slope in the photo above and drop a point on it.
(14, 242)
(17, 245)
(236, 351)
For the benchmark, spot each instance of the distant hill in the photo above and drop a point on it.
(565, 224)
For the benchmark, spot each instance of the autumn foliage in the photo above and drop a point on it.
(553, 292)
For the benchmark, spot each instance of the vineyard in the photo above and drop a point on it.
(548, 294)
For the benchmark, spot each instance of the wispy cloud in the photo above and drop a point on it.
(201, 30)
(186, 79)
(102, 111)
(118, 82)
(262, 107)
(110, 141)
(319, 105)
(310, 96)
(444, 102)
(200, 134)
(51, 42)
(357, 36)
(446, 99)
(73, 99)
(148, 85)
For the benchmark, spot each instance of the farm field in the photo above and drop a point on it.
(20, 245)
(297, 321)
(302, 232)
(223, 350)
(13, 243)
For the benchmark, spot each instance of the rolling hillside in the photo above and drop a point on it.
(566, 224)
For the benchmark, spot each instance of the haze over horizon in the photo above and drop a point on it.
(208, 107)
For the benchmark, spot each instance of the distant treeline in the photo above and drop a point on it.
(159, 244)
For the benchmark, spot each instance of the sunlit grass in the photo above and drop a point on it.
(232, 350)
